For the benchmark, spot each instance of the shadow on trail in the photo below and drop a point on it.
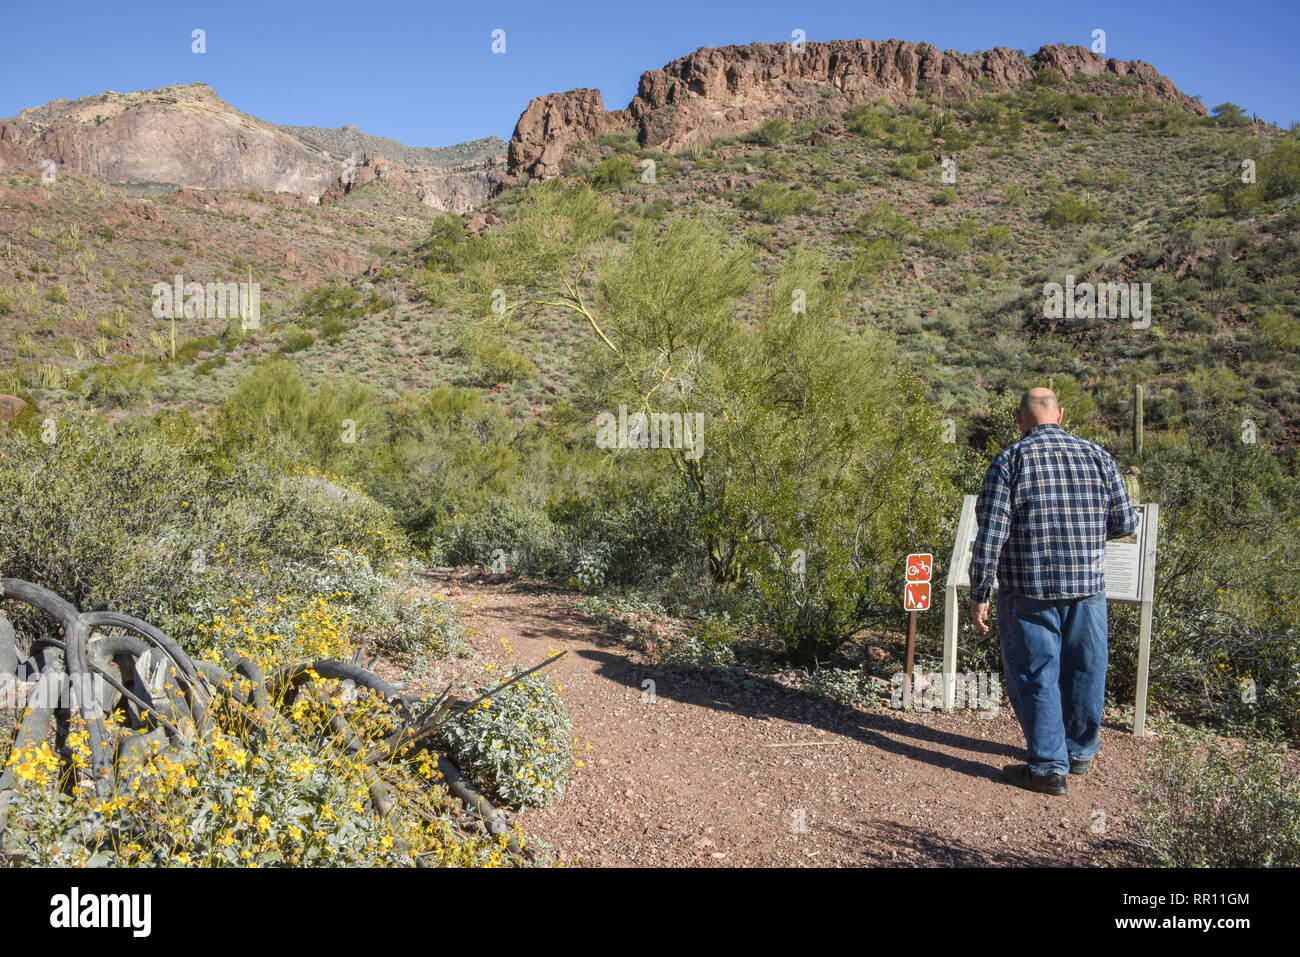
(927, 848)
(762, 699)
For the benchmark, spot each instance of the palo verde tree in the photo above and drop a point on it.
(810, 458)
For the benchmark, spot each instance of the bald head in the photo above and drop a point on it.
(1038, 406)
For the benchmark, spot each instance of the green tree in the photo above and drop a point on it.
(811, 441)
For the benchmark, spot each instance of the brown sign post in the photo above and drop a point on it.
(916, 597)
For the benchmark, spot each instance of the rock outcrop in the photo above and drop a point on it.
(459, 189)
(550, 123)
(189, 136)
(10, 406)
(729, 90)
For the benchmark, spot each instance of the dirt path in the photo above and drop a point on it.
(706, 774)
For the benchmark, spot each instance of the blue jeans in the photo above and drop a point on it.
(1054, 655)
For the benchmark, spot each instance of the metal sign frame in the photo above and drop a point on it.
(1147, 532)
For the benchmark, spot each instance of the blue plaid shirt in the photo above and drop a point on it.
(1048, 504)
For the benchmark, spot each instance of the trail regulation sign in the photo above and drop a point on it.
(916, 589)
(916, 596)
(1130, 580)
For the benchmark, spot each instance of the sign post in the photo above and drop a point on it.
(916, 597)
(1130, 580)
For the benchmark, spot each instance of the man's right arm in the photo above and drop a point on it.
(993, 518)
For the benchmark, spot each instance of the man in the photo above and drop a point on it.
(1047, 506)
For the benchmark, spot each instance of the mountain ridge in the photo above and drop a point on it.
(719, 91)
(187, 135)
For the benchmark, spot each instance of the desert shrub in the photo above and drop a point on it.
(633, 528)
(1205, 806)
(986, 110)
(295, 340)
(1224, 646)
(324, 426)
(879, 219)
(657, 209)
(273, 631)
(137, 519)
(1240, 200)
(1277, 175)
(495, 361)
(864, 120)
(771, 133)
(381, 608)
(692, 654)
(516, 745)
(1279, 330)
(1279, 169)
(713, 631)
(1048, 76)
(1173, 120)
(905, 167)
(502, 531)
(117, 385)
(333, 310)
(1229, 114)
(613, 171)
(447, 238)
(873, 258)
(1069, 210)
(190, 348)
(245, 799)
(996, 236)
(950, 241)
(438, 457)
(845, 686)
(591, 565)
(774, 201)
(86, 520)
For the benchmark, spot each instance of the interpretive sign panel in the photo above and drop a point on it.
(1123, 560)
(1130, 580)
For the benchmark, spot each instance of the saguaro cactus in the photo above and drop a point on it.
(1137, 421)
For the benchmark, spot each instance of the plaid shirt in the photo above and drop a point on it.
(1048, 504)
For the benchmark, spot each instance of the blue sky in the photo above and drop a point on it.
(424, 72)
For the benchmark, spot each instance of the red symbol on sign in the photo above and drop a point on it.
(918, 567)
(916, 596)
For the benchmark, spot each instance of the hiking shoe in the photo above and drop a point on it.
(1078, 766)
(1022, 777)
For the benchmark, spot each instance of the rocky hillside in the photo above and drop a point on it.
(730, 90)
(349, 140)
(188, 136)
(953, 212)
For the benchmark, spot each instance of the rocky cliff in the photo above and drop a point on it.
(730, 90)
(189, 136)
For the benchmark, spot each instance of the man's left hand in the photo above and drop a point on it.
(979, 612)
